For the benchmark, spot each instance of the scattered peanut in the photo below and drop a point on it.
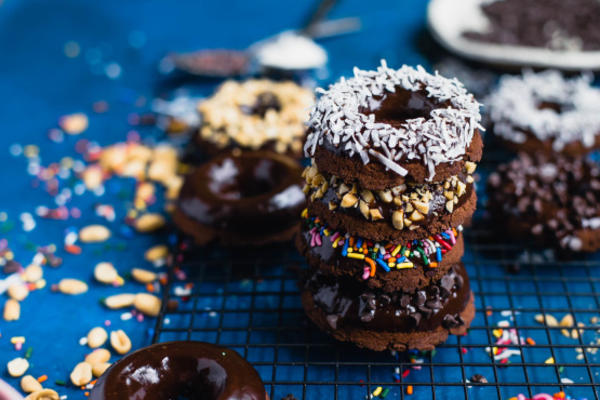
(32, 273)
(17, 291)
(44, 394)
(81, 374)
(96, 337)
(105, 272)
(149, 222)
(12, 310)
(98, 356)
(120, 341)
(147, 304)
(74, 124)
(72, 286)
(156, 253)
(349, 200)
(143, 275)
(93, 177)
(94, 234)
(567, 321)
(29, 384)
(398, 219)
(98, 369)
(17, 367)
(550, 320)
(119, 301)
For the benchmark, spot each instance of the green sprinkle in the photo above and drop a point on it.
(384, 393)
(28, 352)
(433, 353)
(60, 383)
(561, 369)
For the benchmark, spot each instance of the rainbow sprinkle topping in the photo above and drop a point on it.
(386, 255)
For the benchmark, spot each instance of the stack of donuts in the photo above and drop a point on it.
(389, 187)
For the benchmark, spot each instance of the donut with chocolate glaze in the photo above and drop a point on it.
(552, 201)
(386, 127)
(257, 114)
(419, 319)
(246, 198)
(173, 370)
(546, 112)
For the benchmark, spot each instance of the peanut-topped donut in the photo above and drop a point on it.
(174, 370)
(250, 198)
(546, 112)
(423, 127)
(255, 115)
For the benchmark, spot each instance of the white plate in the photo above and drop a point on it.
(448, 19)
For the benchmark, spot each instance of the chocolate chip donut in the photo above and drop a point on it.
(554, 201)
(391, 181)
(252, 198)
(546, 112)
(255, 115)
(174, 370)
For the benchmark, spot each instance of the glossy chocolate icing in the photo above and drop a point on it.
(346, 303)
(253, 193)
(180, 370)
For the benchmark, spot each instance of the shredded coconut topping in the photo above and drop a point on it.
(515, 108)
(443, 137)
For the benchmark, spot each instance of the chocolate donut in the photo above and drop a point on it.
(553, 201)
(546, 112)
(251, 198)
(173, 370)
(390, 185)
(255, 115)
(402, 320)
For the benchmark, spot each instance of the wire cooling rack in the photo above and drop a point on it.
(250, 302)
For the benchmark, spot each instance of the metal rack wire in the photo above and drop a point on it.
(250, 302)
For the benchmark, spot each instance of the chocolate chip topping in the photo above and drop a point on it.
(554, 24)
(344, 303)
(556, 198)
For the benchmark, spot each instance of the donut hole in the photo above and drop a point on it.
(264, 102)
(398, 107)
(236, 178)
(551, 105)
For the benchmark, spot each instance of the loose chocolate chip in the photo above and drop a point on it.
(447, 283)
(421, 297)
(405, 300)
(478, 378)
(450, 321)
(11, 267)
(416, 317)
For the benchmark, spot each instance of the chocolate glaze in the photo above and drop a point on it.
(347, 304)
(252, 193)
(175, 370)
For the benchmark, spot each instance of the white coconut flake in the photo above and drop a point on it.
(443, 137)
(515, 108)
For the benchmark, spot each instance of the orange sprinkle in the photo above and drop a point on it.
(371, 264)
(42, 378)
(73, 249)
(409, 389)
(488, 312)
(530, 341)
(150, 287)
(433, 264)
(86, 394)
(559, 395)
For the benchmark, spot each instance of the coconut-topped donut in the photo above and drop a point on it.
(253, 115)
(545, 111)
(407, 121)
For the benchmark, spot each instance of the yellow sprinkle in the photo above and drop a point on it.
(326, 232)
(549, 361)
(358, 256)
(404, 265)
(407, 253)
(392, 265)
(335, 242)
(304, 213)
(17, 339)
(497, 332)
(396, 250)
(377, 391)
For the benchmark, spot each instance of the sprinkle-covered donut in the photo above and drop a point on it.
(546, 112)
(555, 201)
(416, 124)
(255, 115)
(173, 370)
(247, 198)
